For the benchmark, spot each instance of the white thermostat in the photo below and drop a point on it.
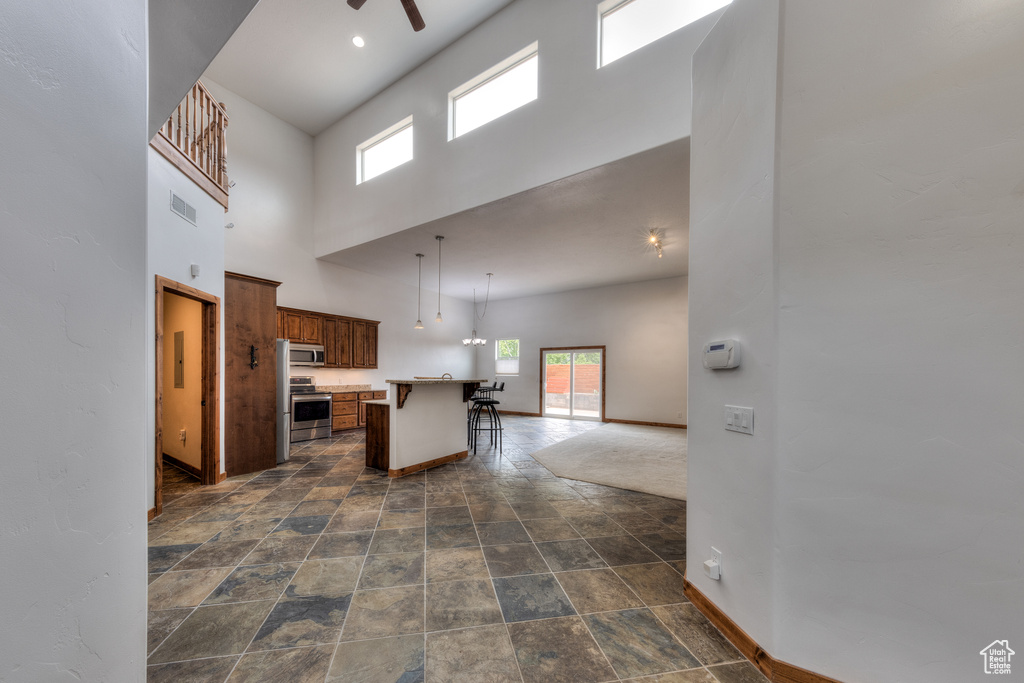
(722, 355)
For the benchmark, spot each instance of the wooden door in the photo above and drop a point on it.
(250, 393)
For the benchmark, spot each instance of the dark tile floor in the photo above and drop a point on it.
(489, 569)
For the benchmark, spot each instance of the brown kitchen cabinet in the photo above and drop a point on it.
(305, 327)
(348, 342)
(345, 411)
(337, 342)
(364, 344)
(349, 409)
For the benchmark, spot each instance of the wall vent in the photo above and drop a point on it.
(183, 208)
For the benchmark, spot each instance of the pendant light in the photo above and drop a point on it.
(419, 291)
(438, 238)
(475, 340)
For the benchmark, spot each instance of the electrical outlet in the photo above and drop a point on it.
(181, 435)
(713, 567)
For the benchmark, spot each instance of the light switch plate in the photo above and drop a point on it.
(739, 419)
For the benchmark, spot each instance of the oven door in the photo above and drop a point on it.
(311, 410)
(311, 417)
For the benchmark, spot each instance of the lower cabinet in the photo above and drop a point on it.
(348, 409)
(345, 411)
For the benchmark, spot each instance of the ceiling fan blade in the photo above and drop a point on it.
(414, 14)
(356, 4)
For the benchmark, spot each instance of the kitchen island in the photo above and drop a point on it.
(421, 424)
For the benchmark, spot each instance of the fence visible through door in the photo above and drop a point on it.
(572, 382)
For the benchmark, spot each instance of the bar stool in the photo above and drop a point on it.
(488, 406)
(479, 394)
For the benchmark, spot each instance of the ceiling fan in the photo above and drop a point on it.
(410, 9)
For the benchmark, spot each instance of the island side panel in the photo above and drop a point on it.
(431, 425)
(378, 435)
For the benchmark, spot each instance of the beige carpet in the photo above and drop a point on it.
(647, 459)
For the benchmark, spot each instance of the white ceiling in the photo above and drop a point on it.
(295, 59)
(587, 230)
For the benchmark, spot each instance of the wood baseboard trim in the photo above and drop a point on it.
(194, 471)
(428, 464)
(151, 515)
(644, 424)
(607, 419)
(774, 670)
(221, 476)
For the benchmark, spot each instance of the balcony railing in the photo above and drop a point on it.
(194, 139)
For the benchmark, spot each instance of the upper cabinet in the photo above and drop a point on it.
(337, 342)
(347, 342)
(364, 344)
(305, 327)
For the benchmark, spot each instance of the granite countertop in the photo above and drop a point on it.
(380, 401)
(434, 381)
(342, 388)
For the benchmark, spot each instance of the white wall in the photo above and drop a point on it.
(732, 296)
(174, 245)
(890, 515)
(643, 325)
(271, 205)
(72, 272)
(901, 337)
(584, 117)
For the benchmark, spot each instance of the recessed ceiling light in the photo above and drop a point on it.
(358, 41)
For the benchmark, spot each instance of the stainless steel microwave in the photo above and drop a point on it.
(310, 355)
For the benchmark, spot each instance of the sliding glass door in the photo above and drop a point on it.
(572, 383)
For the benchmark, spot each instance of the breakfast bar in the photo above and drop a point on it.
(421, 424)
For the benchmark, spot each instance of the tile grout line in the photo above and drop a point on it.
(483, 474)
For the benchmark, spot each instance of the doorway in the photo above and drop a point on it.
(187, 382)
(572, 382)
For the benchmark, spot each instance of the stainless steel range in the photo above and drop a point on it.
(311, 410)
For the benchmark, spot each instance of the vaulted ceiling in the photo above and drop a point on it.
(296, 60)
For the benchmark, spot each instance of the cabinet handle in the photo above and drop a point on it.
(252, 357)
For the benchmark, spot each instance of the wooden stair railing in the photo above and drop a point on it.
(194, 139)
